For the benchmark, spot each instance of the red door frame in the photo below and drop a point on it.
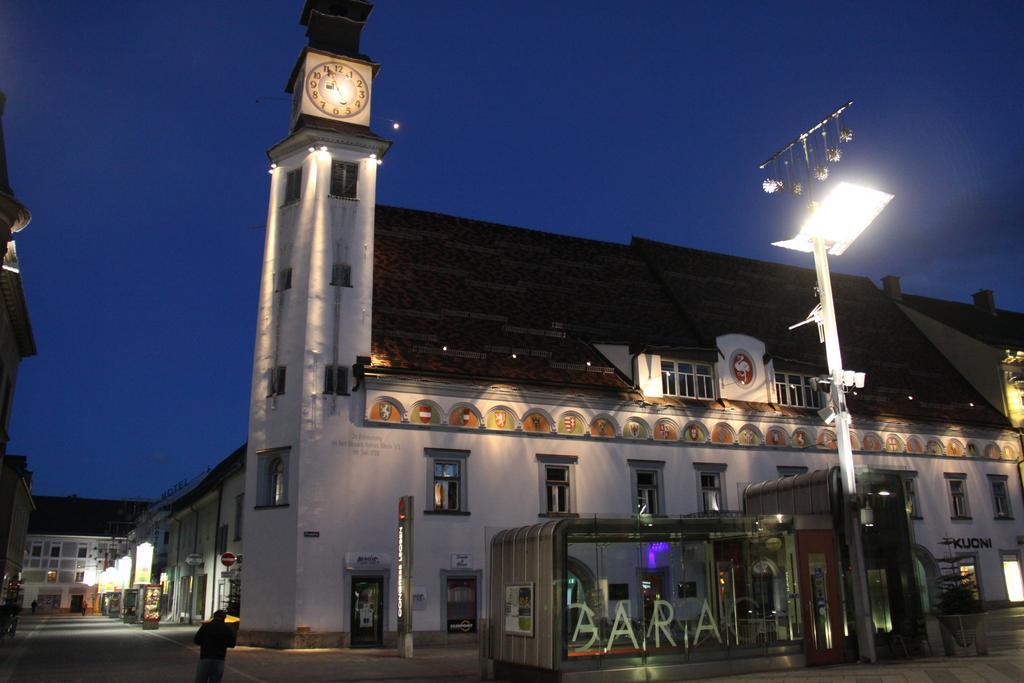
(821, 542)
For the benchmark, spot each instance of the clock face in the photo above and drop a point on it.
(337, 90)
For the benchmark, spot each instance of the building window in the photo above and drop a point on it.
(272, 485)
(79, 577)
(796, 390)
(83, 550)
(1000, 497)
(341, 275)
(790, 470)
(55, 550)
(691, 380)
(336, 380)
(293, 186)
(647, 496)
(37, 550)
(344, 177)
(711, 492)
(710, 487)
(51, 577)
(557, 473)
(283, 280)
(447, 481)
(239, 510)
(910, 496)
(958, 504)
(276, 380)
(1012, 576)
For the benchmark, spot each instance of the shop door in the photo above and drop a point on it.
(461, 607)
(76, 603)
(367, 617)
(819, 597)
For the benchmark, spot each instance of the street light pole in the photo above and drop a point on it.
(851, 517)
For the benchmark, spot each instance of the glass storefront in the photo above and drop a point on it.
(680, 590)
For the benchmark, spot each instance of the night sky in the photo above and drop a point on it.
(136, 134)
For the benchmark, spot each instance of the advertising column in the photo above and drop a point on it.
(405, 508)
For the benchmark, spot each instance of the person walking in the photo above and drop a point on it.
(34, 605)
(213, 638)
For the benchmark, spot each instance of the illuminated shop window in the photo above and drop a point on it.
(51, 577)
(690, 380)
(1012, 576)
(344, 179)
(796, 390)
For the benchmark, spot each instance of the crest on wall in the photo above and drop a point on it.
(500, 419)
(634, 429)
(384, 409)
(742, 368)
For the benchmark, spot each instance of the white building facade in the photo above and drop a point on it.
(503, 376)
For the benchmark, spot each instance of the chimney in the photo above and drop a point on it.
(891, 285)
(985, 300)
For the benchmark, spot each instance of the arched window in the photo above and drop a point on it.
(275, 480)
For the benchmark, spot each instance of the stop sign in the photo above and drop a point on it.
(228, 559)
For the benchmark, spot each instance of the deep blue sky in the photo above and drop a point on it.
(136, 134)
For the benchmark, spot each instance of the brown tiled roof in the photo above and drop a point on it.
(73, 516)
(1004, 330)
(486, 291)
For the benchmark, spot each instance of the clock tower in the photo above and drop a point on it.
(315, 308)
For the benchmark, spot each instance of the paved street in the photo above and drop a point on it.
(94, 649)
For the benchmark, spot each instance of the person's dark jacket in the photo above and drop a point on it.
(214, 638)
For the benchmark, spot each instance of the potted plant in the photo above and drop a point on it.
(961, 614)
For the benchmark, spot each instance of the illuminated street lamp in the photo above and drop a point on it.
(830, 229)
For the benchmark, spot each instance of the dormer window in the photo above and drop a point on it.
(689, 380)
(796, 390)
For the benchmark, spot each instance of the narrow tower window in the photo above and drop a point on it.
(341, 275)
(293, 186)
(336, 380)
(283, 280)
(344, 177)
(275, 383)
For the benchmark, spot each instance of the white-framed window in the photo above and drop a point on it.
(276, 377)
(711, 486)
(647, 477)
(910, 496)
(1000, 497)
(55, 550)
(796, 390)
(344, 179)
(687, 379)
(557, 489)
(83, 550)
(37, 550)
(959, 506)
(447, 481)
(272, 483)
(336, 380)
(293, 186)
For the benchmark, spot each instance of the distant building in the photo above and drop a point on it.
(15, 507)
(203, 524)
(16, 339)
(985, 343)
(70, 542)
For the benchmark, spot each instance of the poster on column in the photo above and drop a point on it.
(519, 609)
